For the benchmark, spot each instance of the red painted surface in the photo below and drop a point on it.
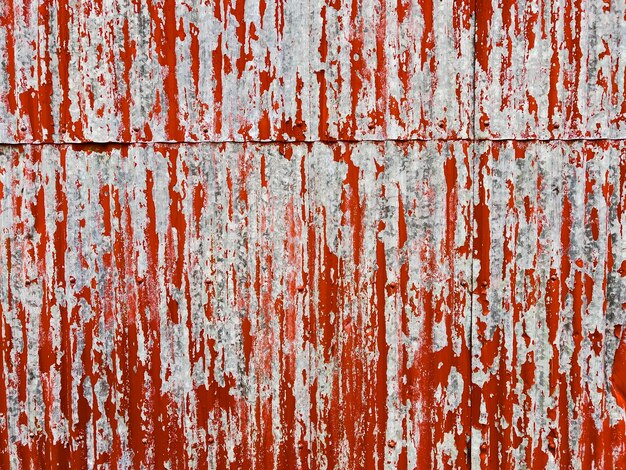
(236, 305)
(286, 234)
(549, 306)
(273, 70)
(550, 69)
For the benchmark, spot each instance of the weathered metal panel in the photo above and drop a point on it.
(397, 70)
(277, 70)
(548, 342)
(252, 305)
(550, 69)
(207, 278)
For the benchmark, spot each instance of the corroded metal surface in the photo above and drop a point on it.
(253, 305)
(548, 342)
(174, 70)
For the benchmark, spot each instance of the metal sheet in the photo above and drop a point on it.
(550, 69)
(548, 342)
(254, 305)
(194, 271)
(168, 70)
(395, 70)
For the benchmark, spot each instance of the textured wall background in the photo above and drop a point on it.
(312, 234)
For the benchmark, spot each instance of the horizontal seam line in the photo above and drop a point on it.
(294, 142)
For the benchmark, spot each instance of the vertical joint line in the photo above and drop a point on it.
(473, 153)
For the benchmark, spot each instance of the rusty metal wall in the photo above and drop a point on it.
(312, 234)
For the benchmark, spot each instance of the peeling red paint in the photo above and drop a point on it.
(130, 319)
(327, 234)
(549, 70)
(548, 366)
(168, 71)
